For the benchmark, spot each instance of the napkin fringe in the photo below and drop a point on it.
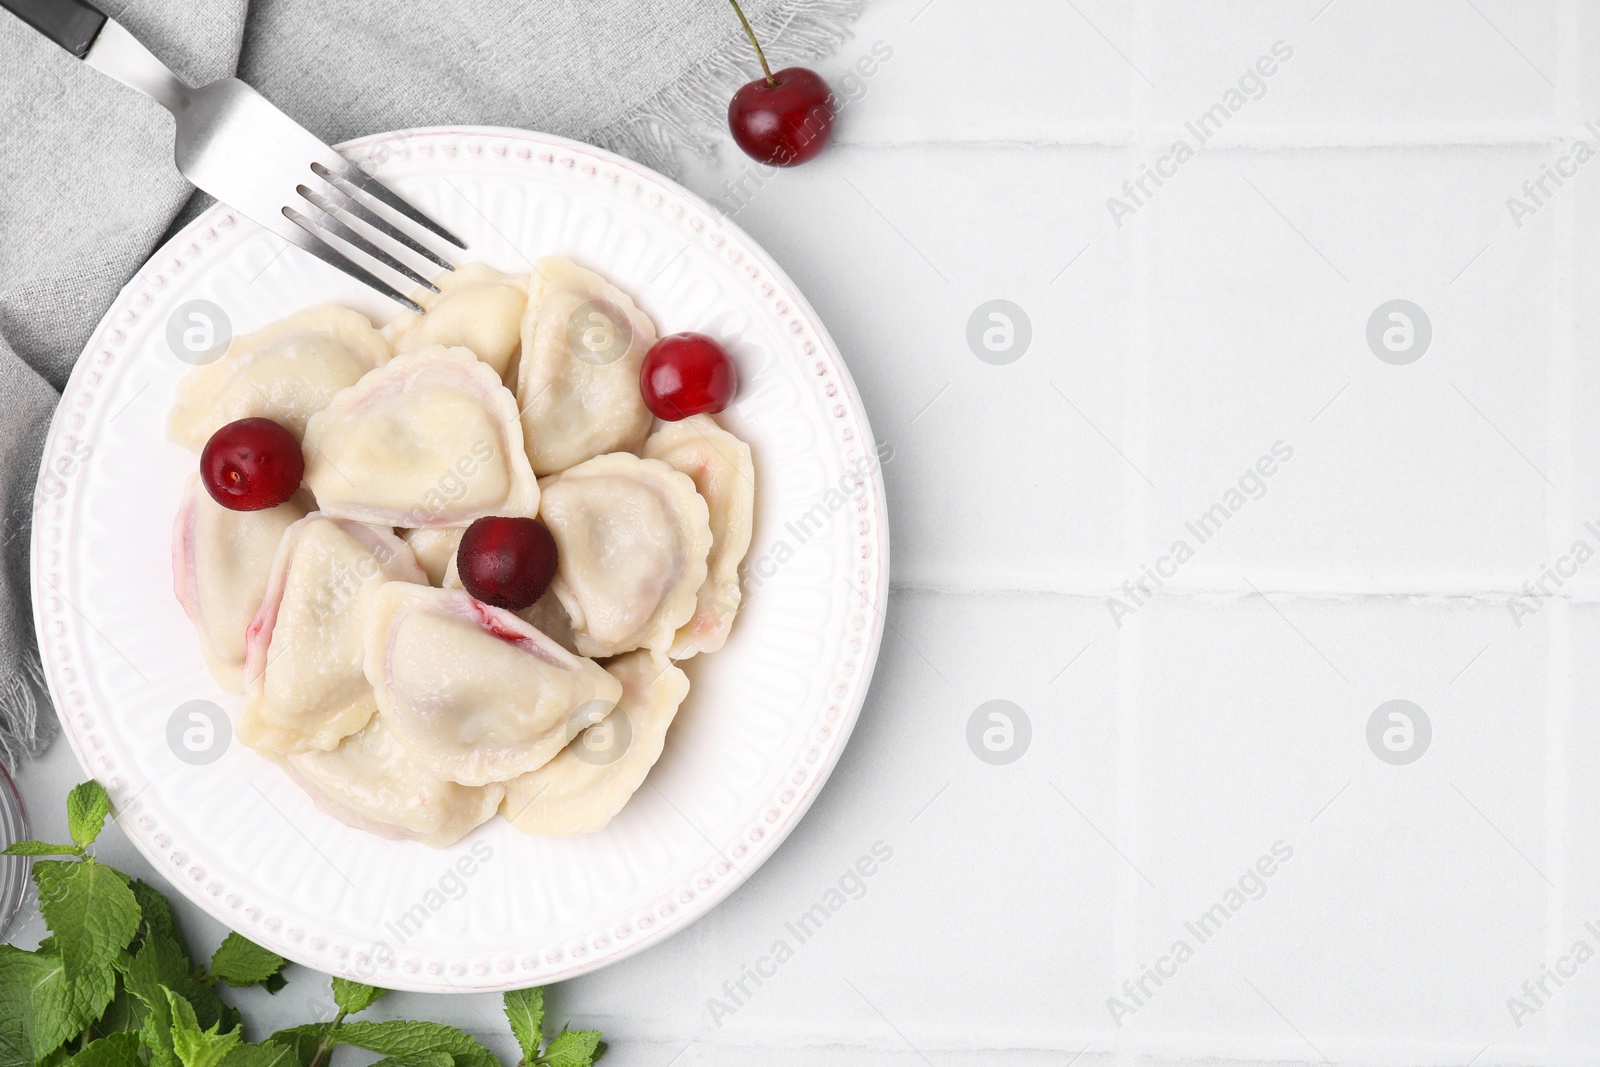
(23, 730)
(692, 112)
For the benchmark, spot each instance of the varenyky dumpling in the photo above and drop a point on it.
(285, 372)
(373, 783)
(476, 307)
(429, 439)
(220, 563)
(584, 787)
(725, 476)
(435, 547)
(583, 341)
(549, 617)
(304, 650)
(545, 614)
(632, 536)
(474, 693)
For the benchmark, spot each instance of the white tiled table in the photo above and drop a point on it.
(1227, 714)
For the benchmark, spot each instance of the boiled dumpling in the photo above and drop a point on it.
(632, 536)
(304, 649)
(583, 341)
(286, 372)
(545, 614)
(220, 562)
(549, 617)
(373, 783)
(473, 692)
(476, 307)
(435, 547)
(722, 470)
(584, 787)
(429, 439)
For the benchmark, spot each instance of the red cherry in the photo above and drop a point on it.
(252, 464)
(686, 374)
(506, 562)
(781, 119)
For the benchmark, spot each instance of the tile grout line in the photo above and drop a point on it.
(1558, 688)
(1136, 505)
(1249, 141)
(1477, 596)
(1558, 698)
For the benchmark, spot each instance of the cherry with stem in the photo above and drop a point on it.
(782, 119)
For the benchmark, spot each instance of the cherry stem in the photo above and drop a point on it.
(750, 33)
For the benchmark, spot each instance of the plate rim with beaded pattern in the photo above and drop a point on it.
(741, 767)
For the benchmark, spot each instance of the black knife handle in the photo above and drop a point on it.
(72, 24)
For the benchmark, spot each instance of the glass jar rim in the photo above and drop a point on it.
(13, 869)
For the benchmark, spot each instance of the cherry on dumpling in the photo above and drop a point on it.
(251, 465)
(686, 374)
(506, 562)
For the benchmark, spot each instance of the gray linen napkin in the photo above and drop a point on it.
(87, 188)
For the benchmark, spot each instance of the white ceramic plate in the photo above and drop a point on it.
(764, 723)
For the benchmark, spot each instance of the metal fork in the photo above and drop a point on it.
(236, 145)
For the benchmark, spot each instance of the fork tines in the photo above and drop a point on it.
(329, 206)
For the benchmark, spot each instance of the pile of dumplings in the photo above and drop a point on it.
(401, 704)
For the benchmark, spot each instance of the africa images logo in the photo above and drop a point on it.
(851, 885)
(1251, 485)
(1252, 85)
(1251, 885)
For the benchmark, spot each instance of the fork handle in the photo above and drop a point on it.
(72, 24)
(82, 29)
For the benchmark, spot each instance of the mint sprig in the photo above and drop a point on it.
(414, 1044)
(114, 985)
(352, 998)
(90, 909)
(570, 1048)
(120, 1049)
(196, 1047)
(87, 808)
(241, 962)
(40, 848)
(525, 1012)
(573, 1048)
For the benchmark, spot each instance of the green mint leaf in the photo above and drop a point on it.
(91, 912)
(155, 1034)
(19, 972)
(113, 1050)
(301, 1041)
(241, 962)
(574, 1048)
(159, 964)
(123, 1013)
(196, 1047)
(525, 1012)
(60, 1005)
(418, 1059)
(401, 1040)
(157, 961)
(265, 1054)
(353, 997)
(87, 808)
(40, 848)
(153, 907)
